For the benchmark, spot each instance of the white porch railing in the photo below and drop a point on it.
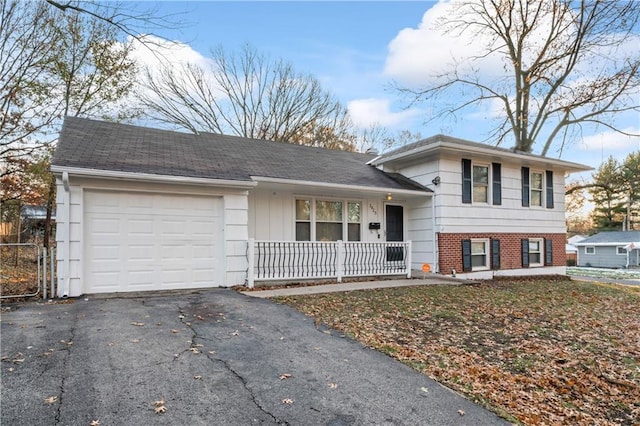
(292, 260)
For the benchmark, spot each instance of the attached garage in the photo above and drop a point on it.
(137, 241)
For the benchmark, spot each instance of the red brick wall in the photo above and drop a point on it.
(450, 249)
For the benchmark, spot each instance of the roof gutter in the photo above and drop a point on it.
(359, 188)
(149, 177)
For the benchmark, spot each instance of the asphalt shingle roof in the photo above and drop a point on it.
(611, 237)
(100, 145)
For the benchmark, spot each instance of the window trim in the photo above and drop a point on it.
(618, 251)
(313, 217)
(487, 254)
(586, 250)
(540, 242)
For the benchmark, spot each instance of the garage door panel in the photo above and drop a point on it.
(142, 241)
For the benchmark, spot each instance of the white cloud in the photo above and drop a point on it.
(416, 54)
(156, 52)
(611, 141)
(372, 111)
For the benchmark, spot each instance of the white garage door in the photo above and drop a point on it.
(143, 241)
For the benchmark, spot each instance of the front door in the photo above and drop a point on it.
(395, 231)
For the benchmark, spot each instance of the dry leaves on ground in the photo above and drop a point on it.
(539, 351)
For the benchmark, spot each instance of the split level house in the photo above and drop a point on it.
(146, 209)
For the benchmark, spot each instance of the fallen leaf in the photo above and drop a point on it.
(197, 377)
(235, 333)
(212, 352)
(423, 389)
(461, 412)
(285, 376)
(135, 341)
(50, 400)
(159, 402)
(160, 409)
(95, 423)
(173, 330)
(112, 343)
(195, 350)
(137, 324)
(332, 385)
(287, 401)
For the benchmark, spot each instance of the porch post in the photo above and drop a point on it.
(409, 259)
(251, 257)
(340, 260)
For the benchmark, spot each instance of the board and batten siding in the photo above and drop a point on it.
(271, 214)
(453, 216)
(69, 230)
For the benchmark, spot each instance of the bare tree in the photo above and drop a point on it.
(26, 41)
(245, 94)
(566, 64)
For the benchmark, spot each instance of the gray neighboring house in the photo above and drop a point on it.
(618, 249)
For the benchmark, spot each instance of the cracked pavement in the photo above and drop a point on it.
(214, 357)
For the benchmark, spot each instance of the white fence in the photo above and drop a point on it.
(293, 260)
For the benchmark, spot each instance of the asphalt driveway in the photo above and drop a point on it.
(215, 357)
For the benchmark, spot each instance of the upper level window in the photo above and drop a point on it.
(323, 220)
(480, 184)
(536, 188)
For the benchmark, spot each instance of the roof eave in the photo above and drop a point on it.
(150, 177)
(453, 147)
(327, 185)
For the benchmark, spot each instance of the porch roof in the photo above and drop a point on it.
(108, 149)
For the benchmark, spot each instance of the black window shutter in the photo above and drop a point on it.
(549, 189)
(548, 252)
(497, 183)
(466, 181)
(525, 253)
(525, 187)
(495, 254)
(466, 255)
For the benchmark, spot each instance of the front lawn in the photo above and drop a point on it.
(536, 352)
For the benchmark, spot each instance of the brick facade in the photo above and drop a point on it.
(450, 249)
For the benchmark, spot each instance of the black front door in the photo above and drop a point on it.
(395, 231)
(395, 228)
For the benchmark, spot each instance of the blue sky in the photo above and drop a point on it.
(355, 49)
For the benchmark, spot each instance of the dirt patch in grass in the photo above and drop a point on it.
(536, 351)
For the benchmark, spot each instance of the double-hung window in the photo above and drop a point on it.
(535, 252)
(324, 220)
(479, 254)
(480, 184)
(536, 188)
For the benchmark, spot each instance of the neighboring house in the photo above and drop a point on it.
(571, 250)
(618, 249)
(147, 209)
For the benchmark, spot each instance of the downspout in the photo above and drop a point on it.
(64, 283)
(436, 255)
